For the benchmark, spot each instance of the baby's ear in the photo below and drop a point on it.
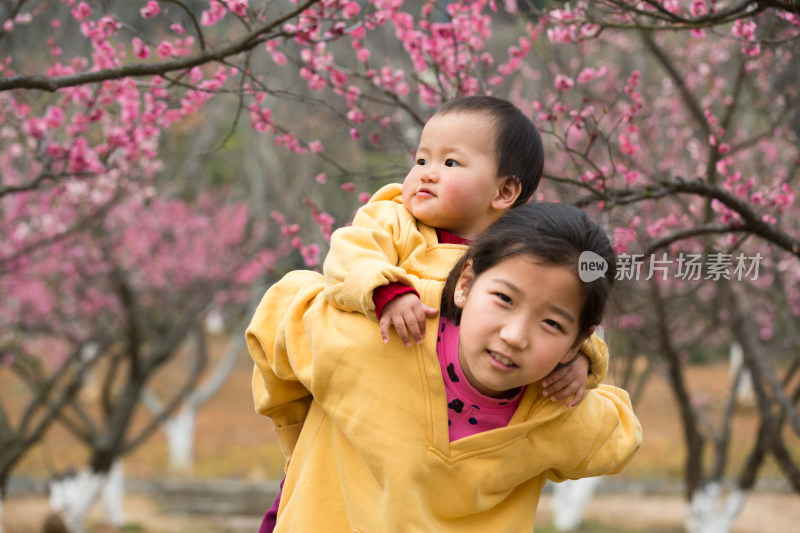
(508, 192)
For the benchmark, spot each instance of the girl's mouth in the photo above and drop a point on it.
(504, 361)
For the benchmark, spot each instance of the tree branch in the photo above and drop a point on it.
(245, 43)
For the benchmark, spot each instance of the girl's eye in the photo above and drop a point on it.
(451, 163)
(421, 161)
(503, 297)
(553, 324)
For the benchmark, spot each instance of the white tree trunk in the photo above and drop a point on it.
(114, 495)
(569, 502)
(179, 428)
(744, 389)
(74, 495)
(180, 439)
(709, 512)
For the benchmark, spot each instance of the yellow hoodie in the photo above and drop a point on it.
(374, 454)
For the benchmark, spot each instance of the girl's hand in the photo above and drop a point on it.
(568, 380)
(407, 314)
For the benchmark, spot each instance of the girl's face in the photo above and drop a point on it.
(454, 184)
(519, 320)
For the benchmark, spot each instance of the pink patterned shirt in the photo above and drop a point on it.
(468, 411)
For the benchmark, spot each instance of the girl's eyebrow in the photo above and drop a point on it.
(555, 308)
(563, 312)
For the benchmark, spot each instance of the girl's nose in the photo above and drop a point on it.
(516, 333)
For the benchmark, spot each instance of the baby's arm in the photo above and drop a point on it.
(587, 370)
(365, 256)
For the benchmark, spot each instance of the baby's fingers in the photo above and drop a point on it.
(385, 325)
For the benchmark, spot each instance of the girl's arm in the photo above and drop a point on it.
(278, 392)
(599, 437)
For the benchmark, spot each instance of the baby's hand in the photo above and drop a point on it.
(407, 314)
(568, 379)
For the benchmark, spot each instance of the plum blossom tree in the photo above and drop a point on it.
(676, 120)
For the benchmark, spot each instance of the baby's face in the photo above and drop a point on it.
(454, 182)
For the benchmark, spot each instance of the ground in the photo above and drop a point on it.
(235, 444)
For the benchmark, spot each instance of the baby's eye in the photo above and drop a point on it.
(451, 163)
(553, 324)
(422, 161)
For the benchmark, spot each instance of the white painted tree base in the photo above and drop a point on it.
(569, 502)
(73, 496)
(180, 439)
(710, 512)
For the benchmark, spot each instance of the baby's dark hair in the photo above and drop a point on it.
(553, 235)
(518, 144)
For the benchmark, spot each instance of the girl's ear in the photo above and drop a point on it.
(462, 285)
(507, 194)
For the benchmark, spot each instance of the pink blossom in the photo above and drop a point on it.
(150, 10)
(310, 255)
(277, 217)
(140, 50)
(291, 229)
(351, 9)
(165, 49)
(348, 186)
(237, 6)
(589, 74)
(362, 54)
(626, 145)
(563, 83)
(315, 146)
(321, 178)
(354, 134)
(82, 11)
(364, 197)
(698, 8)
(213, 14)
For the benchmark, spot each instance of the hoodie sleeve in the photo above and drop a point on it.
(278, 386)
(366, 254)
(596, 350)
(599, 437)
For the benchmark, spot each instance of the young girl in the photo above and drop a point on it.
(390, 444)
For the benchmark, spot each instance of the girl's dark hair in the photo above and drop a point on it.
(518, 144)
(553, 235)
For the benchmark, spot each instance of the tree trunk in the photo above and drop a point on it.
(73, 496)
(113, 495)
(180, 439)
(710, 512)
(569, 502)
